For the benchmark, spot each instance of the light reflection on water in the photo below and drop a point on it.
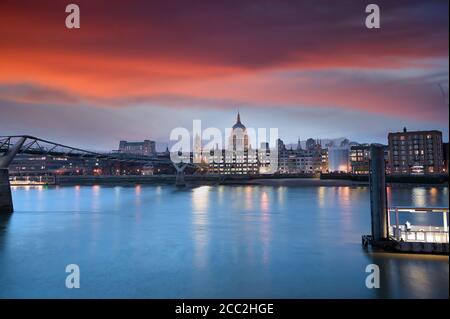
(208, 241)
(200, 198)
(419, 197)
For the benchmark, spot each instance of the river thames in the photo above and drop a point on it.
(208, 242)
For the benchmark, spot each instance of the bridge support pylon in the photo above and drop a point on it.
(6, 203)
(179, 178)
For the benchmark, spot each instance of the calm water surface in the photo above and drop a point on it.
(208, 242)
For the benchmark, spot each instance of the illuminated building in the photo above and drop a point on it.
(145, 148)
(416, 152)
(312, 160)
(359, 158)
(238, 158)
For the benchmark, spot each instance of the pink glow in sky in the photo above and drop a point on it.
(308, 67)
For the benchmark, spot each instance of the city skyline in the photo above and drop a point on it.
(309, 69)
(224, 158)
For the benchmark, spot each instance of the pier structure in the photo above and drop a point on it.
(401, 229)
(394, 236)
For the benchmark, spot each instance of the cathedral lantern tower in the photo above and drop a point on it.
(238, 140)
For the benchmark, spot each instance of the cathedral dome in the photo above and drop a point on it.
(238, 124)
(239, 137)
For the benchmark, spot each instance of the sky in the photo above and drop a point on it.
(138, 69)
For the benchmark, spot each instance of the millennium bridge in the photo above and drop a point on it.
(10, 146)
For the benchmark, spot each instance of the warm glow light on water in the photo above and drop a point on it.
(264, 202)
(419, 196)
(138, 190)
(248, 198)
(200, 199)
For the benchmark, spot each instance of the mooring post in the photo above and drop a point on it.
(378, 197)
